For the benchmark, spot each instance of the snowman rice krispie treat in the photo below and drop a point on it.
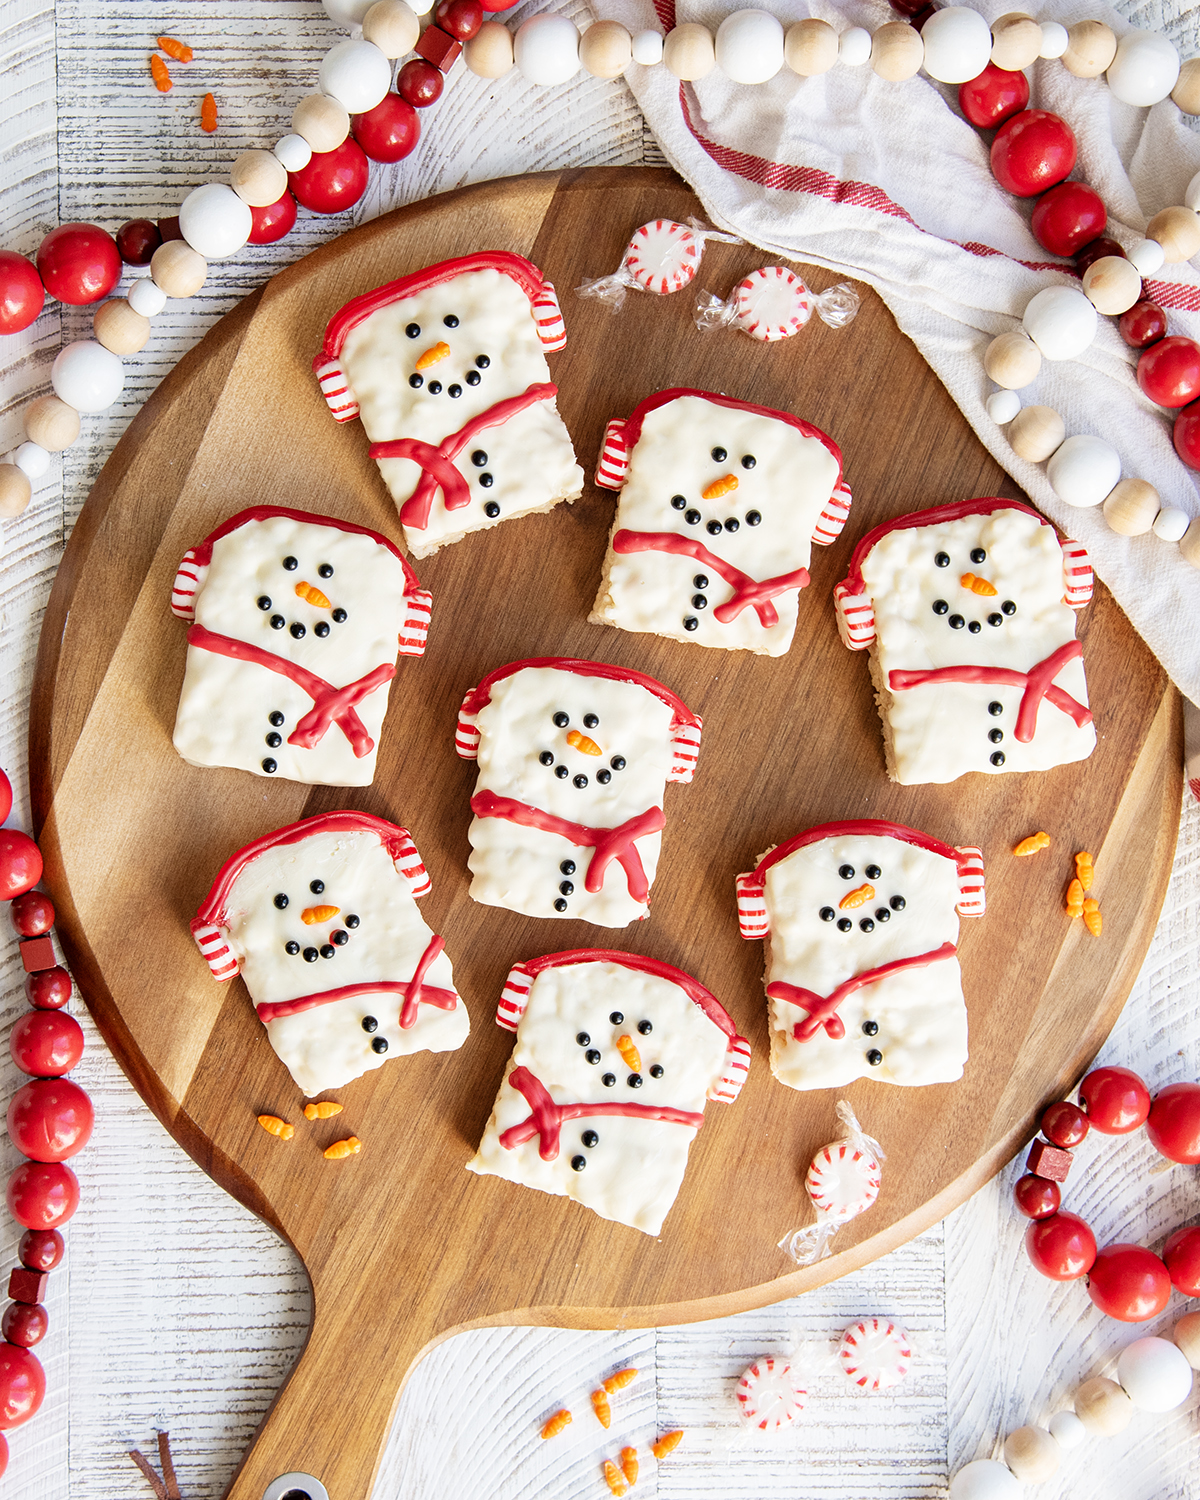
(320, 919)
(720, 504)
(969, 614)
(861, 923)
(573, 759)
(605, 1091)
(296, 620)
(447, 370)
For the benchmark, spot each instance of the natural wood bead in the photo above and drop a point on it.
(51, 423)
(1112, 285)
(1036, 432)
(258, 178)
(1103, 1407)
(392, 26)
(323, 122)
(119, 328)
(1012, 360)
(689, 51)
(1186, 92)
(1186, 1332)
(178, 269)
(489, 53)
(1016, 44)
(606, 49)
(15, 490)
(1177, 230)
(1032, 1454)
(1131, 508)
(811, 47)
(897, 51)
(1091, 47)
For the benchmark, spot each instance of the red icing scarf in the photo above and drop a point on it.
(414, 992)
(546, 1117)
(609, 843)
(748, 593)
(822, 1009)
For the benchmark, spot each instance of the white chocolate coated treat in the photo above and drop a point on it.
(770, 1395)
(875, 1354)
(1002, 632)
(579, 1016)
(287, 611)
(566, 758)
(772, 304)
(727, 570)
(359, 930)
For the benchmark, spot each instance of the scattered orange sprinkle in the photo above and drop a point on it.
(720, 487)
(1084, 869)
(1075, 899)
(180, 51)
(629, 1464)
(1092, 919)
(312, 595)
(667, 1443)
(557, 1422)
(601, 1407)
(158, 71)
(614, 1478)
(273, 1125)
(620, 1380)
(1031, 845)
(978, 585)
(208, 114)
(432, 355)
(857, 897)
(629, 1053)
(340, 1149)
(322, 1111)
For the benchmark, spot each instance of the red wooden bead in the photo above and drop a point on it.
(1032, 151)
(419, 83)
(137, 241)
(20, 863)
(1186, 435)
(48, 989)
(990, 99)
(22, 297)
(273, 221)
(918, 21)
(24, 1323)
(1173, 1124)
(908, 7)
(1097, 250)
(3, 1454)
(169, 228)
(1129, 1283)
(41, 1249)
(46, 1043)
(79, 263)
(1143, 324)
(22, 1385)
(389, 131)
(38, 954)
(436, 47)
(25, 1285)
(1064, 1124)
(32, 914)
(333, 180)
(1068, 217)
(1116, 1100)
(1181, 1256)
(460, 19)
(42, 1195)
(1061, 1247)
(50, 1119)
(1169, 371)
(1037, 1197)
(5, 784)
(1049, 1161)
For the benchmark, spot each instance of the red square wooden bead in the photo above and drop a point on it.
(25, 1285)
(37, 953)
(439, 48)
(1045, 1160)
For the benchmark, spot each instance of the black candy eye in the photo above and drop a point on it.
(327, 950)
(872, 872)
(566, 887)
(897, 903)
(582, 1038)
(379, 1044)
(748, 460)
(645, 1027)
(997, 757)
(270, 766)
(311, 955)
(656, 1071)
(617, 1017)
(578, 1163)
(479, 458)
(690, 622)
(753, 517)
(978, 555)
(491, 510)
(845, 924)
(369, 1024)
(974, 627)
(713, 528)
(485, 483)
(678, 502)
(567, 867)
(882, 914)
(590, 720)
(450, 320)
(482, 361)
(874, 1057)
(870, 1028)
(995, 735)
(846, 872)
(692, 518)
(281, 901)
(275, 718)
(339, 937)
(1009, 607)
(580, 781)
(956, 622)
(472, 377)
(867, 925)
(608, 1080)
(719, 455)
(291, 947)
(732, 524)
(827, 914)
(699, 601)
(435, 387)
(590, 1138)
(454, 391)
(941, 559)
(561, 719)
(617, 763)
(995, 619)
(321, 629)
(995, 709)
(326, 570)
(274, 740)
(413, 330)
(339, 617)
(700, 581)
(634, 1080)
(940, 607)
(297, 631)
(561, 772)
(560, 905)
(264, 601)
(352, 920)
(603, 777)
(416, 381)
(593, 1056)
(290, 564)
(547, 757)
(316, 886)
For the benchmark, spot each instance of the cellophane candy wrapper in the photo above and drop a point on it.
(662, 257)
(773, 303)
(843, 1182)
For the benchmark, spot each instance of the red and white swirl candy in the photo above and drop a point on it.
(843, 1181)
(662, 257)
(769, 1395)
(773, 303)
(875, 1354)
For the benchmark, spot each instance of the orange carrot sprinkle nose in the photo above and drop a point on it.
(1031, 845)
(208, 114)
(312, 595)
(978, 585)
(583, 744)
(719, 487)
(273, 1125)
(314, 914)
(1074, 899)
(859, 897)
(619, 1380)
(1084, 869)
(180, 51)
(633, 1061)
(1092, 919)
(667, 1443)
(557, 1422)
(601, 1407)
(629, 1464)
(351, 1146)
(323, 1111)
(614, 1478)
(431, 356)
(158, 71)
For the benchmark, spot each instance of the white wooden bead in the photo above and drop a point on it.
(258, 178)
(489, 53)
(293, 153)
(1091, 46)
(1035, 432)
(356, 74)
(1186, 92)
(1065, 1427)
(1186, 1332)
(1055, 41)
(688, 52)
(178, 269)
(1144, 70)
(1002, 407)
(985, 1479)
(811, 47)
(1112, 285)
(854, 47)
(15, 490)
(214, 221)
(393, 27)
(1169, 526)
(422, 7)
(119, 327)
(750, 46)
(33, 461)
(51, 423)
(606, 49)
(958, 44)
(1153, 1372)
(546, 49)
(1060, 321)
(323, 122)
(1177, 230)
(897, 51)
(1146, 257)
(87, 376)
(147, 298)
(1084, 471)
(1131, 508)
(1103, 1407)
(1012, 360)
(1016, 42)
(648, 48)
(346, 12)
(1032, 1454)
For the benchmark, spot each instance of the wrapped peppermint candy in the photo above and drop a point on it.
(843, 1182)
(661, 257)
(875, 1354)
(773, 303)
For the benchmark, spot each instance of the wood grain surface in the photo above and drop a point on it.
(788, 743)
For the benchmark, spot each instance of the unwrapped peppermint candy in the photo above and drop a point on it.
(661, 257)
(843, 1182)
(773, 303)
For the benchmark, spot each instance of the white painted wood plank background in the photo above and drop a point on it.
(175, 1307)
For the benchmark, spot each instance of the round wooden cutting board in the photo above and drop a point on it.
(403, 1245)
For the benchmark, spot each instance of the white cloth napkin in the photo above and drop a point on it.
(889, 182)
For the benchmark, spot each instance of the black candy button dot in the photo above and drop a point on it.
(297, 631)
(274, 740)
(264, 601)
(454, 391)
(978, 555)
(753, 517)
(590, 721)
(732, 524)
(491, 510)
(413, 330)
(316, 886)
(844, 924)
(700, 581)
(416, 381)
(275, 717)
(270, 765)
(656, 1071)
(291, 946)
(713, 528)
(281, 901)
(872, 872)
(874, 1057)
(578, 1163)
(882, 914)
(369, 1023)
(1008, 607)
(567, 887)
(995, 709)
(616, 1017)
(942, 559)
(827, 914)
(482, 361)
(435, 387)
(326, 570)
(379, 1044)
(479, 458)
(897, 903)
(940, 607)
(870, 1028)
(339, 617)
(634, 1080)
(867, 925)
(846, 872)
(561, 772)
(562, 719)
(608, 1080)
(567, 867)
(699, 601)
(603, 777)
(748, 460)
(560, 905)
(974, 627)
(277, 622)
(719, 455)
(692, 517)
(997, 757)
(472, 377)
(321, 629)
(311, 955)
(593, 1056)
(352, 921)
(290, 564)
(327, 950)
(583, 1039)
(547, 757)
(678, 502)
(450, 320)
(995, 619)
(590, 1138)
(339, 937)
(580, 781)
(645, 1027)
(995, 735)
(690, 622)
(956, 622)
